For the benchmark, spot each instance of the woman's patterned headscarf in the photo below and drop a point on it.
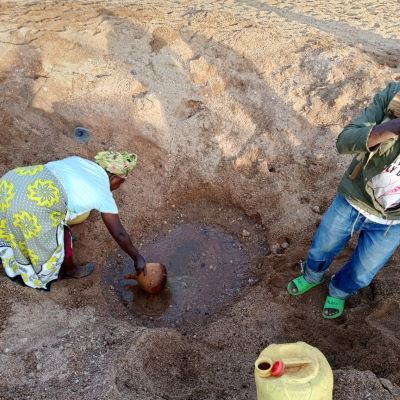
(117, 163)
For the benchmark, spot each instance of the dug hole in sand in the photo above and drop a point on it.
(233, 108)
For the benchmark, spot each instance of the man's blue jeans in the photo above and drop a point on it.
(376, 244)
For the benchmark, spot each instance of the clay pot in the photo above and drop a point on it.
(155, 279)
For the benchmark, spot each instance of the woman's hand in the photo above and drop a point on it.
(140, 264)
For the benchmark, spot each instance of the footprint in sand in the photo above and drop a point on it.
(163, 36)
(189, 108)
(386, 319)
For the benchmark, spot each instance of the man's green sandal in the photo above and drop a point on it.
(300, 285)
(333, 307)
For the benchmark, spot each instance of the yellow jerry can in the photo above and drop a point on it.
(293, 371)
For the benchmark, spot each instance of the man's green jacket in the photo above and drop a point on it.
(367, 163)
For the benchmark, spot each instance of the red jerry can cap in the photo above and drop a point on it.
(278, 369)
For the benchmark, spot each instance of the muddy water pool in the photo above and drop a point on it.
(207, 267)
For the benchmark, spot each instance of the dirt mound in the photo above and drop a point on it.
(233, 108)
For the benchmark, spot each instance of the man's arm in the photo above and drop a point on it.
(118, 232)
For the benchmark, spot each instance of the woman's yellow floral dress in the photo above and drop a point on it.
(33, 207)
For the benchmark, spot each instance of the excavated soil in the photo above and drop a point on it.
(233, 107)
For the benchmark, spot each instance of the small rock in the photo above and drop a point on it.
(275, 248)
(6, 350)
(284, 245)
(245, 233)
(316, 209)
(390, 387)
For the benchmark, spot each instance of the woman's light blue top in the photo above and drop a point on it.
(86, 184)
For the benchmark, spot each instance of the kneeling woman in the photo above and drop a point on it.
(37, 201)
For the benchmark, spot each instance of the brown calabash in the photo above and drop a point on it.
(155, 279)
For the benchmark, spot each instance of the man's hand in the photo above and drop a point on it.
(383, 132)
(392, 125)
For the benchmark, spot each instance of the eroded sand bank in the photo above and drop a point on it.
(233, 108)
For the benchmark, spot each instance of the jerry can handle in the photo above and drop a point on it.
(266, 367)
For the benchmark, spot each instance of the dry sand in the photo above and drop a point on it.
(231, 106)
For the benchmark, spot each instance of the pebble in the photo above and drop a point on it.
(316, 209)
(274, 248)
(245, 233)
(284, 245)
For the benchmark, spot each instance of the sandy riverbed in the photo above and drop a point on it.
(233, 108)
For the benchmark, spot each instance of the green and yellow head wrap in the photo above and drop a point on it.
(117, 163)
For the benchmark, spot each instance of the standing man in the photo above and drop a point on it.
(368, 202)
